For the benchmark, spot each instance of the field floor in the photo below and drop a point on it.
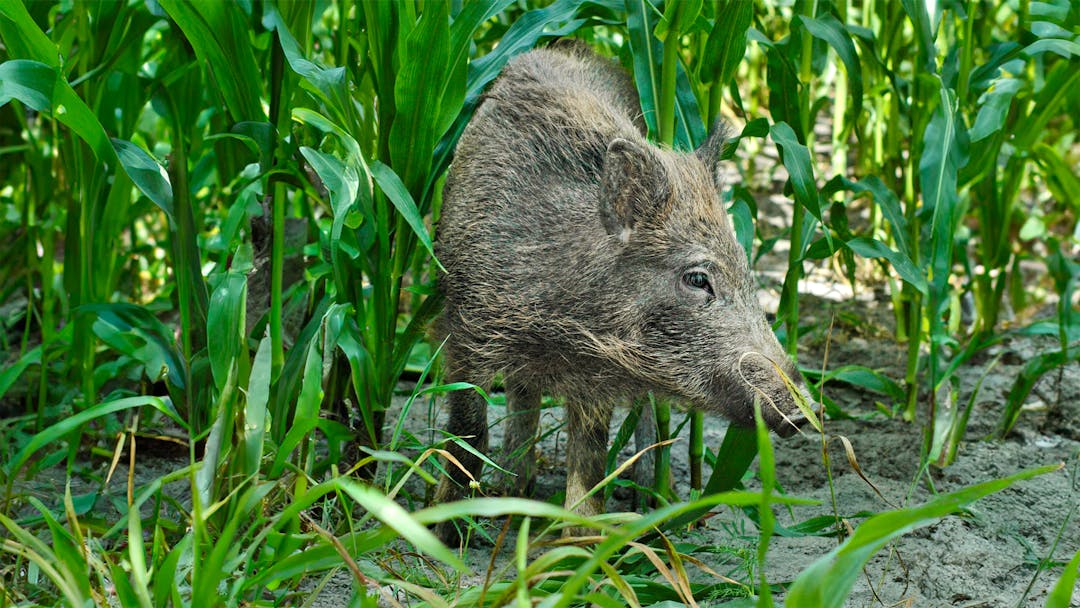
(987, 557)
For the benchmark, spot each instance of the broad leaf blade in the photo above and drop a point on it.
(399, 195)
(828, 581)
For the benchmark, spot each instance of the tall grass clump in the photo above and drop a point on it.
(217, 226)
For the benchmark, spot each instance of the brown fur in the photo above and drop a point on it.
(567, 239)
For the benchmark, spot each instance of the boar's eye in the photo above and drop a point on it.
(698, 280)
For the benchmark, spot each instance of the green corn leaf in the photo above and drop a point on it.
(827, 582)
(864, 377)
(648, 53)
(800, 169)
(40, 87)
(226, 326)
(678, 16)
(255, 409)
(225, 557)
(1066, 48)
(759, 127)
(125, 591)
(216, 450)
(994, 107)
(313, 118)
(361, 365)
(472, 15)
(782, 78)
(23, 38)
(828, 29)
(307, 408)
(766, 518)
(69, 556)
(165, 584)
(520, 37)
(648, 57)
(410, 526)
(342, 182)
(1060, 83)
(219, 35)
(1034, 369)
(1003, 59)
(873, 248)
(942, 158)
(737, 451)
(136, 332)
(742, 220)
(140, 590)
(30, 82)
(462, 28)
(319, 558)
(726, 44)
(1061, 178)
(888, 203)
(926, 27)
(399, 195)
(1055, 11)
(796, 158)
(424, 58)
(149, 176)
(328, 85)
(11, 373)
(689, 127)
(619, 536)
(734, 457)
(556, 19)
(27, 546)
(407, 525)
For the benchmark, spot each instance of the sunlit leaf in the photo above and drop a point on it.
(827, 582)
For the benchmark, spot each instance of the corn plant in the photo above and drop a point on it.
(218, 219)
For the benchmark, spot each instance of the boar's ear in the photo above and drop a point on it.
(710, 151)
(632, 189)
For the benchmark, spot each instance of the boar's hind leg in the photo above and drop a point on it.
(586, 453)
(519, 451)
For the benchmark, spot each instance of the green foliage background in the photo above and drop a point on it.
(217, 217)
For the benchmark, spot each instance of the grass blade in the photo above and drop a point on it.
(1061, 595)
(69, 424)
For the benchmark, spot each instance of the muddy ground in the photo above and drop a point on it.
(986, 557)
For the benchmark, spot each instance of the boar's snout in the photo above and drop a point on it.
(791, 424)
(765, 382)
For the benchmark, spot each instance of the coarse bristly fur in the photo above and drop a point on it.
(583, 261)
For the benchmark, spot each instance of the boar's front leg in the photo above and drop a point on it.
(468, 420)
(519, 447)
(586, 453)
